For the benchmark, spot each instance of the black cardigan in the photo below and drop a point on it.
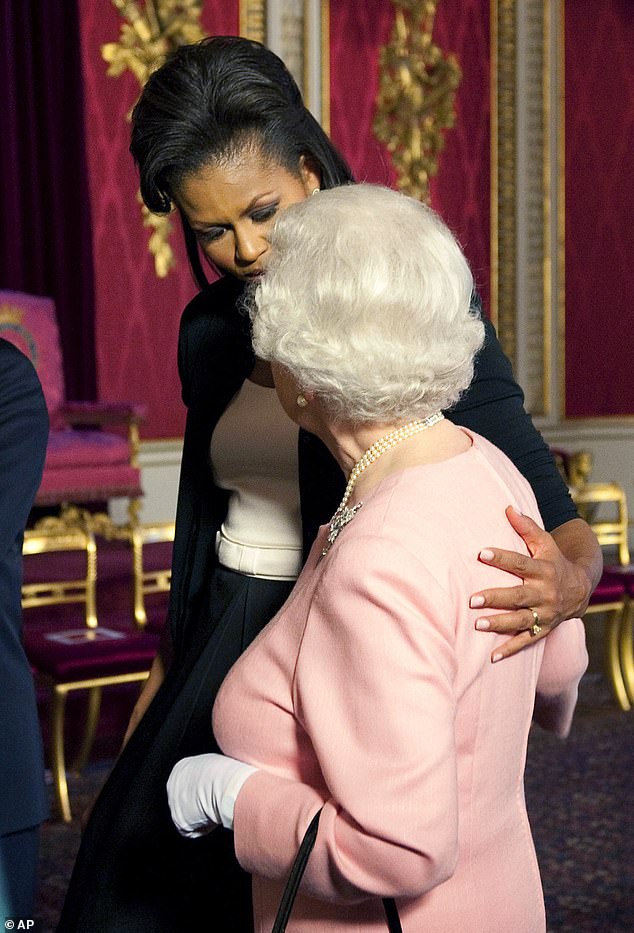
(215, 357)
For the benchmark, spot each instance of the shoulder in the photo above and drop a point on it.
(215, 308)
(213, 320)
(20, 386)
(14, 362)
(377, 555)
(491, 361)
(431, 521)
(214, 342)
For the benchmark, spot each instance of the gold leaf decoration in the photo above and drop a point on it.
(152, 30)
(415, 101)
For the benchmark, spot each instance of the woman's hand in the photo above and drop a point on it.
(557, 580)
(202, 791)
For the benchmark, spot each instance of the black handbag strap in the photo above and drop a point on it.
(297, 870)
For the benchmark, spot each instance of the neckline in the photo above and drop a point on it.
(366, 495)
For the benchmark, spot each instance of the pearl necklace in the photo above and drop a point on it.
(343, 515)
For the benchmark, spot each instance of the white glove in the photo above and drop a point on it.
(202, 792)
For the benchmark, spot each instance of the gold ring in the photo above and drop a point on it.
(535, 628)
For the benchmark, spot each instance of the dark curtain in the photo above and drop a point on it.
(45, 233)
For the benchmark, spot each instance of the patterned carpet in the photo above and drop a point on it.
(580, 797)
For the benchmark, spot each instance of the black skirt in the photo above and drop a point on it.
(133, 871)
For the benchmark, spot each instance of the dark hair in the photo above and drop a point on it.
(206, 103)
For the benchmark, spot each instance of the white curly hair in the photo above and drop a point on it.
(366, 300)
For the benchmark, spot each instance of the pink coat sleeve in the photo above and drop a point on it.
(564, 662)
(373, 691)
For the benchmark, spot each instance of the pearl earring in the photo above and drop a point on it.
(302, 401)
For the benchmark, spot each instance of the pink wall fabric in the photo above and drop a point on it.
(461, 190)
(599, 207)
(137, 314)
(358, 29)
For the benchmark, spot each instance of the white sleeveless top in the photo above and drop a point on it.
(254, 456)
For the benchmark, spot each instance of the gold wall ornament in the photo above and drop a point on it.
(158, 243)
(415, 101)
(152, 30)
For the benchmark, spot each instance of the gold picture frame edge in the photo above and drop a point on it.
(503, 223)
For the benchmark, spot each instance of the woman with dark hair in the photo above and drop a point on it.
(221, 134)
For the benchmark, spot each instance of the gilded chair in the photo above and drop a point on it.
(158, 578)
(66, 657)
(92, 451)
(604, 507)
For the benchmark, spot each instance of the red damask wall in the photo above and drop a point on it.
(599, 207)
(461, 190)
(137, 314)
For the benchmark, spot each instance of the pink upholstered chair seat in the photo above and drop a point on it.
(89, 484)
(82, 654)
(87, 466)
(79, 449)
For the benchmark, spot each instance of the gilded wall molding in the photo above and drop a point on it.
(253, 19)
(299, 32)
(559, 97)
(316, 78)
(527, 186)
(415, 100)
(503, 172)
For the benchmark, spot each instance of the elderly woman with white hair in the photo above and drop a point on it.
(370, 696)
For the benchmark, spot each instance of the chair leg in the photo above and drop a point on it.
(58, 763)
(92, 718)
(613, 660)
(626, 648)
(91, 581)
(136, 541)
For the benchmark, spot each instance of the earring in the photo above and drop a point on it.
(302, 401)
(315, 191)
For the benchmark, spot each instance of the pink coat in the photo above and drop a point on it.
(372, 694)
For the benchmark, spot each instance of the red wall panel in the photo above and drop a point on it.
(599, 207)
(461, 190)
(358, 29)
(137, 314)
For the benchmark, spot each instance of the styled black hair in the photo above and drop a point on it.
(208, 102)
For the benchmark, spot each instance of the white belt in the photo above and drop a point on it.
(271, 563)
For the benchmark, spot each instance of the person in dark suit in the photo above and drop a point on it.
(23, 805)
